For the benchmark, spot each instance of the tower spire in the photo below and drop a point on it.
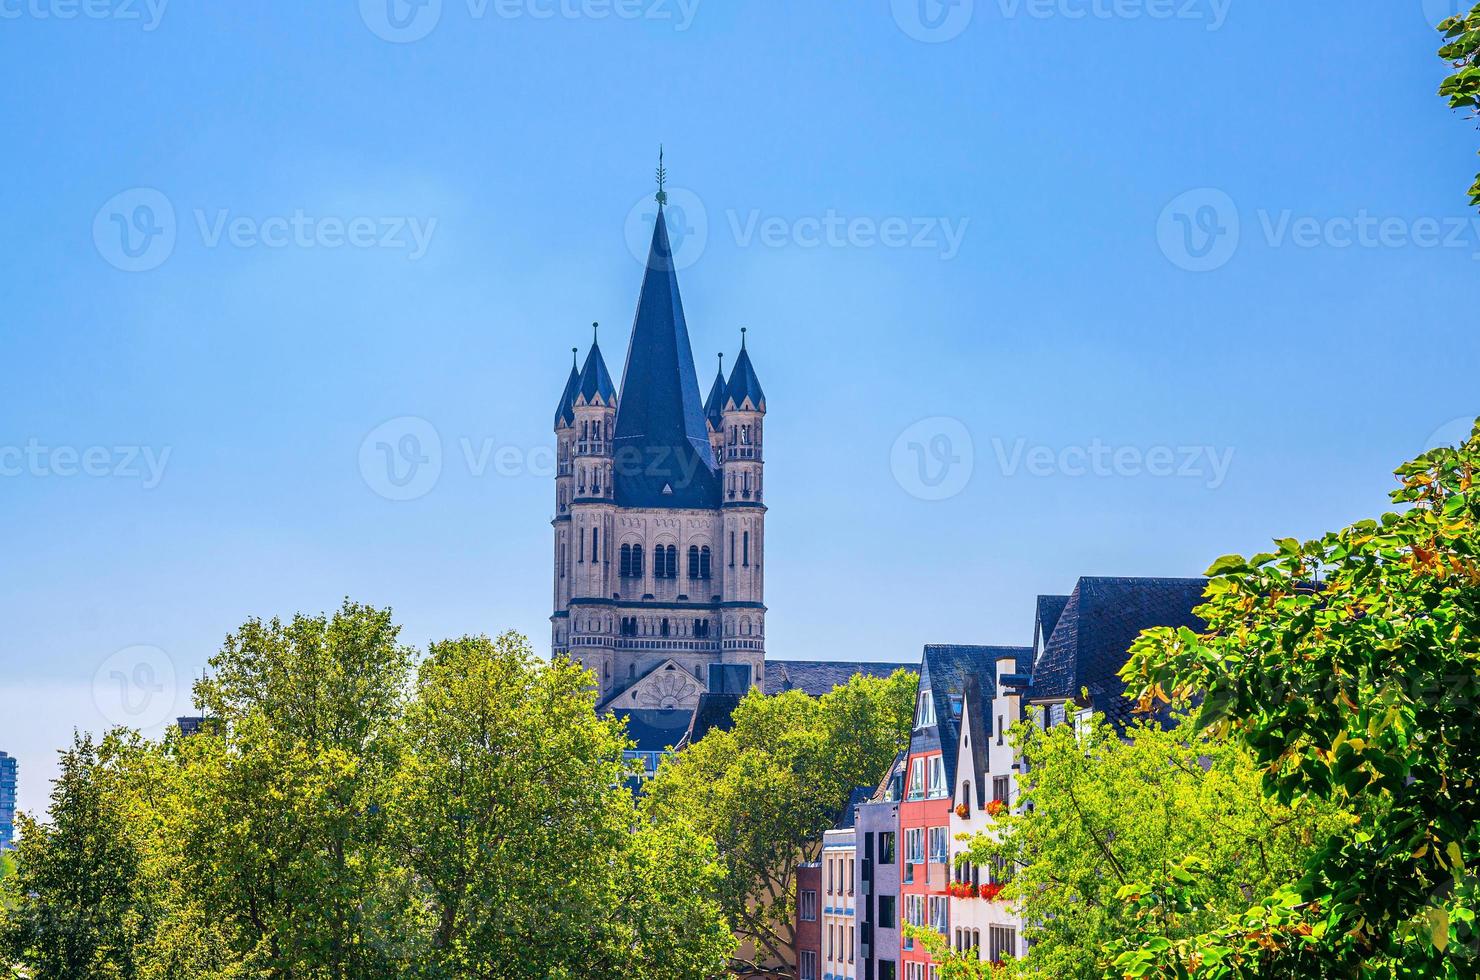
(595, 325)
(662, 178)
(742, 337)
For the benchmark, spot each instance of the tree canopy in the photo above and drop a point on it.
(349, 814)
(1347, 665)
(1462, 50)
(766, 790)
(1101, 809)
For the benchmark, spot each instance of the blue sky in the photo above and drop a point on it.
(1037, 289)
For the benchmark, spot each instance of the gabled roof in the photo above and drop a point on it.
(1093, 636)
(663, 456)
(595, 381)
(744, 385)
(819, 677)
(944, 672)
(565, 411)
(714, 405)
(976, 711)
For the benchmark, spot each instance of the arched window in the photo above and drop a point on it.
(637, 561)
(693, 562)
(746, 546)
(704, 562)
(670, 569)
(663, 629)
(624, 561)
(595, 543)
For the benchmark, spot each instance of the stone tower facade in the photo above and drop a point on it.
(660, 515)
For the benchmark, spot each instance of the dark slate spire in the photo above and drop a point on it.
(714, 405)
(565, 411)
(595, 380)
(743, 382)
(663, 457)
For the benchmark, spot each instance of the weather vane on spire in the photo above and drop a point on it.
(595, 324)
(662, 178)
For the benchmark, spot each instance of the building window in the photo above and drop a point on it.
(807, 965)
(925, 710)
(914, 845)
(745, 543)
(940, 848)
(914, 910)
(595, 543)
(940, 914)
(886, 912)
(917, 778)
(886, 847)
(937, 777)
(732, 549)
(1001, 943)
(704, 562)
(807, 906)
(886, 970)
(999, 788)
(693, 562)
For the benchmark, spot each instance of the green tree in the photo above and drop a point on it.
(286, 797)
(767, 789)
(1462, 50)
(1348, 666)
(1103, 811)
(79, 905)
(514, 819)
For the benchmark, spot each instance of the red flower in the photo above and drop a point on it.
(996, 808)
(990, 891)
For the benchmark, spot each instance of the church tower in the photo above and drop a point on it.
(660, 514)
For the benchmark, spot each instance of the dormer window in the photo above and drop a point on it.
(925, 710)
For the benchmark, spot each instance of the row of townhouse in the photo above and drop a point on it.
(898, 857)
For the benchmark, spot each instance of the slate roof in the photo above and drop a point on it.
(715, 712)
(1050, 608)
(663, 456)
(819, 677)
(595, 380)
(744, 384)
(1093, 637)
(944, 672)
(656, 729)
(714, 405)
(565, 411)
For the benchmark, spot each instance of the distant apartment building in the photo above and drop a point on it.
(839, 904)
(808, 934)
(9, 777)
(876, 824)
